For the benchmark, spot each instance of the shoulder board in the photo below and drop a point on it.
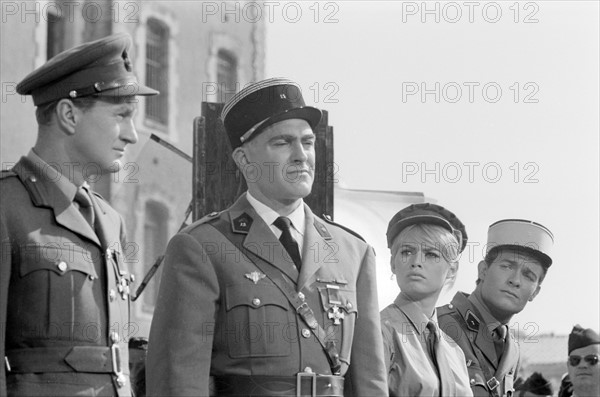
(327, 219)
(207, 218)
(7, 173)
(446, 309)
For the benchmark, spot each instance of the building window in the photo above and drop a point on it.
(55, 41)
(155, 244)
(157, 71)
(226, 75)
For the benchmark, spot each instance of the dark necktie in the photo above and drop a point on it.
(499, 337)
(447, 382)
(289, 243)
(84, 201)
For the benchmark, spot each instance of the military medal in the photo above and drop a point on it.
(336, 314)
(254, 276)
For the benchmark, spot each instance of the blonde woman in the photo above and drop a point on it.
(426, 241)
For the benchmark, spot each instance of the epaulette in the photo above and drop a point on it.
(327, 219)
(7, 173)
(207, 218)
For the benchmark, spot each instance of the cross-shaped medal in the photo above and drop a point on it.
(336, 314)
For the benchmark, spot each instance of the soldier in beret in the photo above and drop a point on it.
(584, 371)
(426, 241)
(265, 298)
(64, 283)
(517, 259)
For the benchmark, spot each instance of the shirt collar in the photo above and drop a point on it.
(489, 320)
(413, 312)
(53, 175)
(269, 215)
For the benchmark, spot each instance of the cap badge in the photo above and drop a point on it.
(254, 276)
(282, 96)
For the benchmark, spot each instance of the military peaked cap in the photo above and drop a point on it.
(100, 67)
(263, 104)
(427, 213)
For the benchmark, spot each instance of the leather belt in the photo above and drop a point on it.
(95, 359)
(303, 384)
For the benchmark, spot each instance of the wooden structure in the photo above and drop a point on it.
(217, 183)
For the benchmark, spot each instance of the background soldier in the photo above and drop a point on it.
(64, 300)
(584, 371)
(517, 259)
(265, 296)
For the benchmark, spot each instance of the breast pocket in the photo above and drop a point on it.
(259, 321)
(339, 316)
(58, 284)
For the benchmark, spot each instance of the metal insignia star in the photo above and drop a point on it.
(254, 276)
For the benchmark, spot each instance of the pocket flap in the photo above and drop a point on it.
(254, 295)
(56, 259)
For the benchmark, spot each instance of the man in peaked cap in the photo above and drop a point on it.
(584, 371)
(64, 302)
(517, 259)
(264, 298)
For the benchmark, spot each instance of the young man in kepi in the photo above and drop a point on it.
(64, 301)
(517, 259)
(264, 298)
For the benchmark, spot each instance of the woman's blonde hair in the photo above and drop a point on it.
(442, 239)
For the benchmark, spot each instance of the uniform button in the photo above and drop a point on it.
(256, 301)
(472, 382)
(132, 278)
(91, 277)
(301, 296)
(308, 369)
(112, 295)
(306, 332)
(450, 306)
(33, 178)
(114, 337)
(349, 305)
(62, 266)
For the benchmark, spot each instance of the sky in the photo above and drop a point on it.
(488, 108)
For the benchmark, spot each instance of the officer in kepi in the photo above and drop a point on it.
(64, 283)
(265, 298)
(516, 262)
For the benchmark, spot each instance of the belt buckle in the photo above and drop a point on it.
(116, 363)
(313, 383)
(493, 383)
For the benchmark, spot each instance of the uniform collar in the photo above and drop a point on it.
(490, 321)
(297, 217)
(414, 313)
(51, 174)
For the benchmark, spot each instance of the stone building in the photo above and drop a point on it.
(191, 51)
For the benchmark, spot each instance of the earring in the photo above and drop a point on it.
(392, 276)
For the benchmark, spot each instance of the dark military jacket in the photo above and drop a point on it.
(64, 307)
(461, 321)
(218, 314)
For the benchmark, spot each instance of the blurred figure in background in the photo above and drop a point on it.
(584, 371)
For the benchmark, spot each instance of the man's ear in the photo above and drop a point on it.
(239, 157)
(482, 268)
(537, 291)
(66, 116)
